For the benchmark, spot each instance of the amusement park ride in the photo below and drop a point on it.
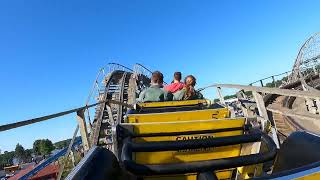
(274, 138)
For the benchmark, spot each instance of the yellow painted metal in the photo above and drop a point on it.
(143, 128)
(180, 116)
(248, 172)
(220, 174)
(188, 155)
(313, 176)
(174, 103)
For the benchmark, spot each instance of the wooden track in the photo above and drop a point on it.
(287, 124)
(120, 86)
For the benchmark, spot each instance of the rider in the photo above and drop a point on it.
(155, 93)
(176, 85)
(188, 92)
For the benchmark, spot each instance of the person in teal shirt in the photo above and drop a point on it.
(155, 93)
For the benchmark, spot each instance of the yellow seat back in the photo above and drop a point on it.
(174, 103)
(179, 116)
(166, 157)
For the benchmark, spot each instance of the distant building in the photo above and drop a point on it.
(49, 172)
(11, 169)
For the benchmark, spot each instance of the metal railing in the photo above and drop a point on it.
(274, 80)
(140, 69)
(44, 118)
(81, 125)
(116, 66)
(94, 98)
(257, 96)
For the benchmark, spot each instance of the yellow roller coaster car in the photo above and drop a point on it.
(174, 122)
(197, 140)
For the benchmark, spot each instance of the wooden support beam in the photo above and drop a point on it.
(263, 112)
(289, 112)
(61, 169)
(282, 92)
(72, 159)
(221, 98)
(261, 82)
(261, 108)
(83, 130)
(274, 82)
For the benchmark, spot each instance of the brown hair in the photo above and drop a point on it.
(157, 77)
(189, 86)
(177, 76)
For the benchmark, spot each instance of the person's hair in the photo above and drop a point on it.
(177, 76)
(193, 81)
(189, 86)
(157, 77)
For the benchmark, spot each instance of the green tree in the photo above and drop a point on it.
(20, 153)
(43, 147)
(28, 155)
(46, 147)
(62, 144)
(36, 146)
(6, 158)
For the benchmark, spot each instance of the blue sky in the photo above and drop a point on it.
(50, 51)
